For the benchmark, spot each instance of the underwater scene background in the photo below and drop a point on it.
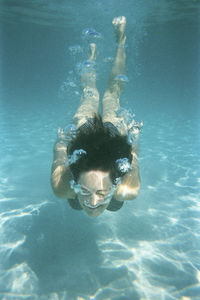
(149, 249)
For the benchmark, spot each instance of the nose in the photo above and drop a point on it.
(94, 200)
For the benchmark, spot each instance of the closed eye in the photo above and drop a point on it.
(85, 191)
(101, 194)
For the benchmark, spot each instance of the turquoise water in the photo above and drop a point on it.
(150, 248)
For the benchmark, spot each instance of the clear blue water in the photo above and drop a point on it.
(150, 249)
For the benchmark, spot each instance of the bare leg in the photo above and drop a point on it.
(89, 103)
(111, 96)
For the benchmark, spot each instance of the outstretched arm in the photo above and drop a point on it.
(129, 188)
(60, 173)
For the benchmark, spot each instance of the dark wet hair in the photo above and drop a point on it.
(103, 145)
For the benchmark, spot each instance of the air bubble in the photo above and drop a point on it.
(91, 33)
(69, 133)
(75, 156)
(88, 92)
(118, 181)
(123, 165)
(133, 127)
(88, 64)
(108, 59)
(131, 138)
(75, 49)
(122, 78)
(71, 83)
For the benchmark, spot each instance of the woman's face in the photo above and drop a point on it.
(95, 192)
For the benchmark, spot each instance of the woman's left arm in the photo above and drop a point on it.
(130, 186)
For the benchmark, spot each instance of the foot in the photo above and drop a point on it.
(93, 51)
(119, 24)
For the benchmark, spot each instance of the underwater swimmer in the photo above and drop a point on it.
(96, 168)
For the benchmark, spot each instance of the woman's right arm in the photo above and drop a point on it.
(60, 173)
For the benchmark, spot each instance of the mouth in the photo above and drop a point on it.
(92, 208)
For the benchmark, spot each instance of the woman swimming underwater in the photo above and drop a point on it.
(96, 168)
